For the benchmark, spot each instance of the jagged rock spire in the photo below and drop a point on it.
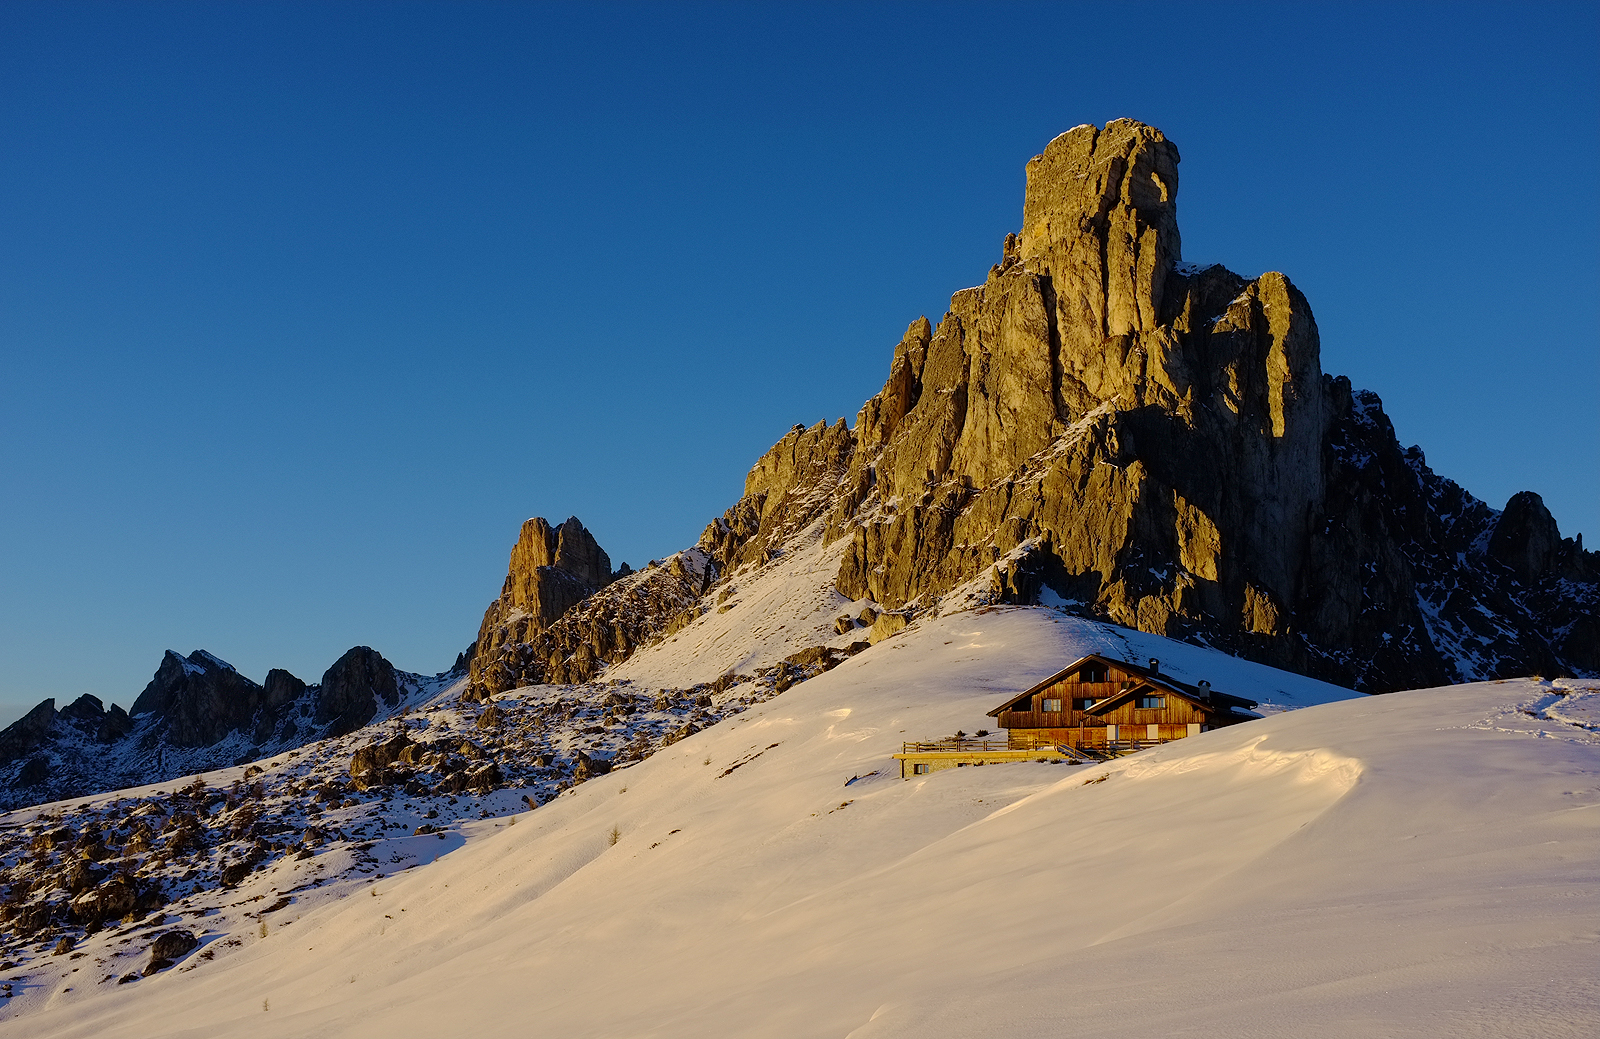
(1100, 217)
(1158, 442)
(552, 569)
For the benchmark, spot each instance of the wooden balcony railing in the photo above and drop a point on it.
(972, 746)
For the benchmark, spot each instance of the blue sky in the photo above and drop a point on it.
(304, 308)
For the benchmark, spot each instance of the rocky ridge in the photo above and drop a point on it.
(563, 615)
(1104, 427)
(197, 713)
(1155, 443)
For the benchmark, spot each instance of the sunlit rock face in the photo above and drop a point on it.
(549, 625)
(1156, 443)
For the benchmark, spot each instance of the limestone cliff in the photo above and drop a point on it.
(1156, 443)
(529, 633)
(603, 627)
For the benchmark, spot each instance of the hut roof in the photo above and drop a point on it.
(1147, 679)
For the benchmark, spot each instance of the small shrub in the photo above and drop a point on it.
(614, 836)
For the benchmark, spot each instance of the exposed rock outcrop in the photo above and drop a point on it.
(1157, 444)
(25, 735)
(352, 689)
(196, 713)
(1527, 541)
(563, 614)
(603, 628)
(199, 698)
(1144, 440)
(552, 569)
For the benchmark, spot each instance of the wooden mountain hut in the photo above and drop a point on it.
(1098, 701)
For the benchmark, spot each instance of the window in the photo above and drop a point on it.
(1051, 705)
(1152, 703)
(1092, 673)
(920, 769)
(1085, 703)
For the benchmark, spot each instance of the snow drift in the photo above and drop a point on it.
(1413, 864)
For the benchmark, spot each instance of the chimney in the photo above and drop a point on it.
(1155, 666)
(1205, 689)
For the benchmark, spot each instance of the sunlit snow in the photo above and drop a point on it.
(1420, 863)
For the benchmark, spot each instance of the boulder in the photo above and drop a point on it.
(112, 900)
(487, 778)
(380, 754)
(171, 945)
(587, 767)
(886, 625)
(820, 658)
(82, 877)
(31, 919)
(417, 755)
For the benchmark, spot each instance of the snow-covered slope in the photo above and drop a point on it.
(1414, 864)
(766, 613)
(761, 615)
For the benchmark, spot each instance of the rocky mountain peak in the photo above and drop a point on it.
(200, 697)
(552, 569)
(1526, 539)
(24, 735)
(568, 547)
(1156, 443)
(1100, 218)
